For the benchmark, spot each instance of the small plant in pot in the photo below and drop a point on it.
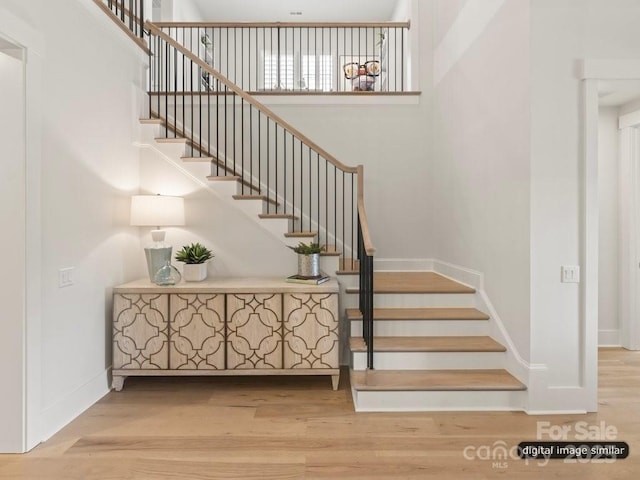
(308, 259)
(195, 257)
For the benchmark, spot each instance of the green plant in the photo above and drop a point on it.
(194, 254)
(308, 249)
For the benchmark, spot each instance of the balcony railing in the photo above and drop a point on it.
(300, 57)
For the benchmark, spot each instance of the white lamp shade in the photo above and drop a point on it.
(157, 211)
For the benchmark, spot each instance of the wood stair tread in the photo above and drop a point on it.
(330, 251)
(255, 197)
(420, 314)
(301, 234)
(151, 121)
(414, 282)
(434, 380)
(428, 344)
(268, 216)
(171, 140)
(197, 159)
(232, 178)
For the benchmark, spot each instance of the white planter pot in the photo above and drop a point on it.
(194, 272)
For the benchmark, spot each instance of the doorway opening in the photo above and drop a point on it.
(13, 242)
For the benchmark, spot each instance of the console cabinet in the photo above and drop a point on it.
(225, 327)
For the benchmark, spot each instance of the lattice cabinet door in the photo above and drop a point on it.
(311, 330)
(254, 331)
(140, 331)
(196, 332)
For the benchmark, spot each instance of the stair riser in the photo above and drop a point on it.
(148, 133)
(329, 265)
(172, 150)
(430, 360)
(253, 208)
(429, 401)
(277, 226)
(200, 170)
(422, 328)
(417, 300)
(228, 189)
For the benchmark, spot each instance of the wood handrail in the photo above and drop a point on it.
(362, 214)
(152, 28)
(285, 24)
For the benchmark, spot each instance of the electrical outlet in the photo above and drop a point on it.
(65, 277)
(570, 274)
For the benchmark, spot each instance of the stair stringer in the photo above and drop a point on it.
(172, 153)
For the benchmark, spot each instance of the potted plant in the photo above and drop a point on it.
(195, 257)
(308, 259)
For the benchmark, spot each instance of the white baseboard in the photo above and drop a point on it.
(402, 264)
(56, 417)
(469, 277)
(609, 338)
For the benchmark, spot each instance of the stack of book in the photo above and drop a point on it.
(308, 280)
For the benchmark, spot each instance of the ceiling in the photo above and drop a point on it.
(614, 93)
(280, 10)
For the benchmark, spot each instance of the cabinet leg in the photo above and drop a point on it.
(118, 382)
(335, 381)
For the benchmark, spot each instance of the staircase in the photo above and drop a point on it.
(432, 349)
(426, 345)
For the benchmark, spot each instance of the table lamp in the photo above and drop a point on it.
(157, 211)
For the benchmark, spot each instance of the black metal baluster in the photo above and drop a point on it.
(402, 61)
(301, 187)
(353, 207)
(259, 152)
(284, 149)
(326, 202)
(242, 143)
(268, 165)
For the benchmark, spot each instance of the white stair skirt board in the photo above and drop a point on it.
(422, 328)
(429, 360)
(430, 401)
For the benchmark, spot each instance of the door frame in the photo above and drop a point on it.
(629, 186)
(592, 72)
(17, 32)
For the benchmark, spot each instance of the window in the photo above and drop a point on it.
(316, 72)
(299, 72)
(286, 80)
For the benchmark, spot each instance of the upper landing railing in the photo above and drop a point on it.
(300, 57)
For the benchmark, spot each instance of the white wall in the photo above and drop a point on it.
(608, 156)
(12, 242)
(564, 31)
(186, 11)
(479, 177)
(240, 246)
(91, 78)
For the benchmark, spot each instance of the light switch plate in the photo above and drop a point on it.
(65, 277)
(570, 273)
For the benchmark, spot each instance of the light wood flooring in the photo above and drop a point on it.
(297, 427)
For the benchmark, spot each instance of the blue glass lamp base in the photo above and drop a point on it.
(156, 259)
